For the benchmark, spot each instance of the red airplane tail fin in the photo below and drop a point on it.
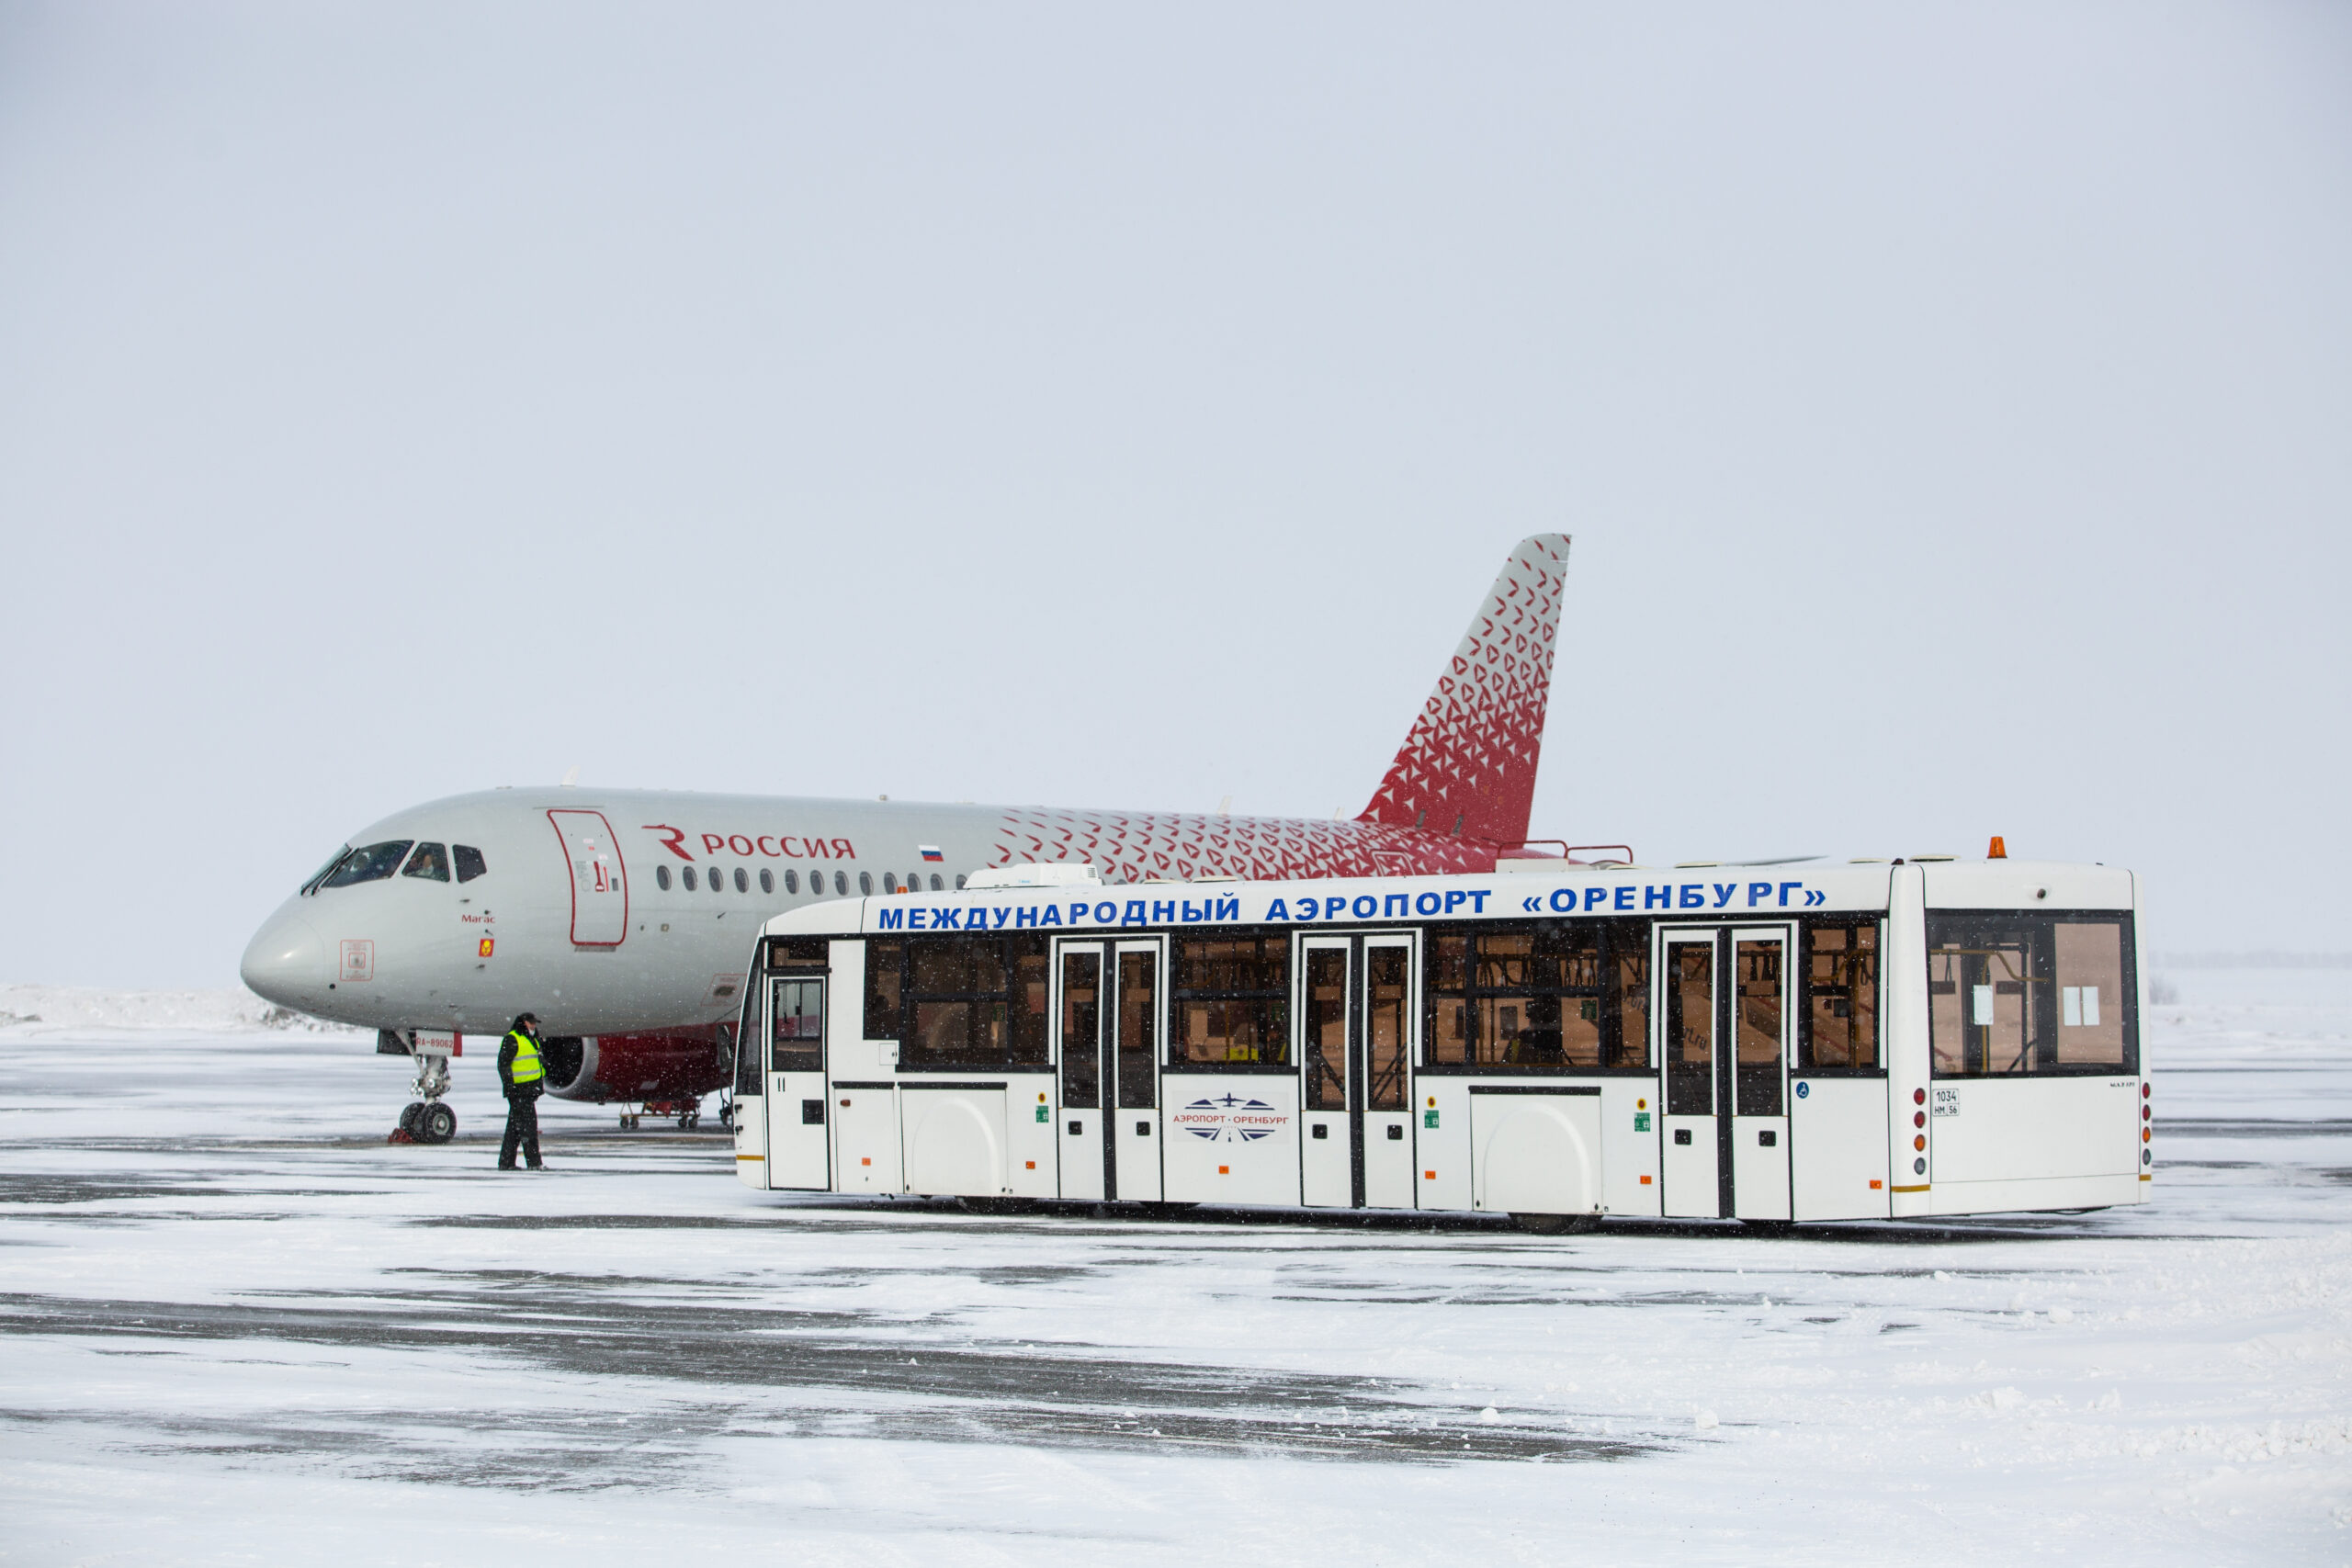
(1467, 768)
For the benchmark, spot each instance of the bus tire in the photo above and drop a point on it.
(1556, 1224)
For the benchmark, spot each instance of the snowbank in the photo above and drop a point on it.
(32, 1011)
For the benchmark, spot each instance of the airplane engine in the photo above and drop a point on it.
(677, 1064)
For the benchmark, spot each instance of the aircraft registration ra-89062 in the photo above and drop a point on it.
(621, 917)
(1557, 1042)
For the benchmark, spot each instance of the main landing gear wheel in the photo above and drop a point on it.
(435, 1123)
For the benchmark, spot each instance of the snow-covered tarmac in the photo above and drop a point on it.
(240, 1327)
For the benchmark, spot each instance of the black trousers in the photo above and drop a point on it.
(522, 1128)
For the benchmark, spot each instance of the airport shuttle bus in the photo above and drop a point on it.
(1553, 1041)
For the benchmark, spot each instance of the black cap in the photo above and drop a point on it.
(522, 1018)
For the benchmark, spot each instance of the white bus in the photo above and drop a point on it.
(1555, 1042)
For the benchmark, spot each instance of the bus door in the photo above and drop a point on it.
(796, 1152)
(1357, 1022)
(1107, 1008)
(1725, 1022)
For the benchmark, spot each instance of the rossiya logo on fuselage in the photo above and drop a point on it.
(785, 846)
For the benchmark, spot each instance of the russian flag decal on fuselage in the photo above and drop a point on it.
(930, 851)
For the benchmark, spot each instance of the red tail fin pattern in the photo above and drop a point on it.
(1468, 766)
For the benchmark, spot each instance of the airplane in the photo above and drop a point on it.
(622, 918)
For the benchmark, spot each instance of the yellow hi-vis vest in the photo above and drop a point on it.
(527, 1068)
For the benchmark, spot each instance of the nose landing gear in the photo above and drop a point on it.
(425, 1120)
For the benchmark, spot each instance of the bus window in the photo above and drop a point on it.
(1082, 1029)
(2030, 994)
(2090, 994)
(885, 958)
(1138, 1040)
(469, 861)
(430, 861)
(1632, 953)
(1558, 997)
(1756, 1027)
(1690, 1029)
(975, 1000)
(1327, 1028)
(1231, 1002)
(796, 1025)
(1387, 994)
(373, 863)
(1838, 1005)
(1447, 1030)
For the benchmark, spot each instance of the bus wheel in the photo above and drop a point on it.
(435, 1123)
(1556, 1224)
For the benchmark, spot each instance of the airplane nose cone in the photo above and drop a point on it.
(287, 963)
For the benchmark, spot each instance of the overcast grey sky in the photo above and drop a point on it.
(1113, 406)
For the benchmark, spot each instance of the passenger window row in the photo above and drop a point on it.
(717, 879)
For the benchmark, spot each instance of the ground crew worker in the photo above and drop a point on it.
(521, 1071)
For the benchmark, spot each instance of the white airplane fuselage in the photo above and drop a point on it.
(404, 952)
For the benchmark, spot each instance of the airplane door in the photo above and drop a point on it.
(599, 885)
(797, 1119)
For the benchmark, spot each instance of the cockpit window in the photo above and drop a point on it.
(373, 863)
(321, 874)
(469, 861)
(430, 861)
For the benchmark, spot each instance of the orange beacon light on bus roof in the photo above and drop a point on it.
(1998, 851)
